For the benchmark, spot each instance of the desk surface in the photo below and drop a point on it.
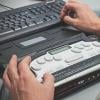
(89, 93)
(94, 4)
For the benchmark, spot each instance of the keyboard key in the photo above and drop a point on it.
(16, 28)
(38, 21)
(48, 57)
(76, 50)
(72, 58)
(40, 61)
(47, 18)
(57, 58)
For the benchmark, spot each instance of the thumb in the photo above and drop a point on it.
(70, 21)
(48, 80)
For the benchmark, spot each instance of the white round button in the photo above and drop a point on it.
(48, 57)
(36, 67)
(85, 44)
(40, 61)
(76, 50)
(79, 46)
(57, 58)
(97, 44)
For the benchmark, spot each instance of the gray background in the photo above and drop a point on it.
(89, 93)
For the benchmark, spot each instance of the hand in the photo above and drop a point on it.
(84, 18)
(22, 82)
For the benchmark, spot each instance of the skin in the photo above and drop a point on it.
(84, 18)
(22, 82)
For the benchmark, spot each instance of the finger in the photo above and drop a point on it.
(69, 7)
(23, 67)
(6, 80)
(70, 21)
(63, 13)
(12, 69)
(64, 10)
(48, 80)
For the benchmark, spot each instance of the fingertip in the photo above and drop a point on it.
(13, 61)
(14, 56)
(48, 81)
(28, 58)
(25, 61)
(66, 19)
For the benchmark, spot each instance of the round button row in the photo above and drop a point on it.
(48, 58)
(87, 44)
(76, 49)
(68, 59)
(79, 47)
(82, 45)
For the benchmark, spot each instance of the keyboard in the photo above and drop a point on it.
(29, 19)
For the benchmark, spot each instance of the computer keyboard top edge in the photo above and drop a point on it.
(29, 19)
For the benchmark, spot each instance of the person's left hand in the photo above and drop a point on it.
(22, 82)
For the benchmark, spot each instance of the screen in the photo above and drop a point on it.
(33, 41)
(59, 49)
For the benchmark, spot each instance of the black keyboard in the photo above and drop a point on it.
(29, 19)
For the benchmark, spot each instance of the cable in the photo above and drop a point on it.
(6, 6)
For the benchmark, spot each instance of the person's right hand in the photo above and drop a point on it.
(84, 18)
(22, 82)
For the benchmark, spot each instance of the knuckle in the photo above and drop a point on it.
(21, 64)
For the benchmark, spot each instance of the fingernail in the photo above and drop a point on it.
(14, 56)
(29, 57)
